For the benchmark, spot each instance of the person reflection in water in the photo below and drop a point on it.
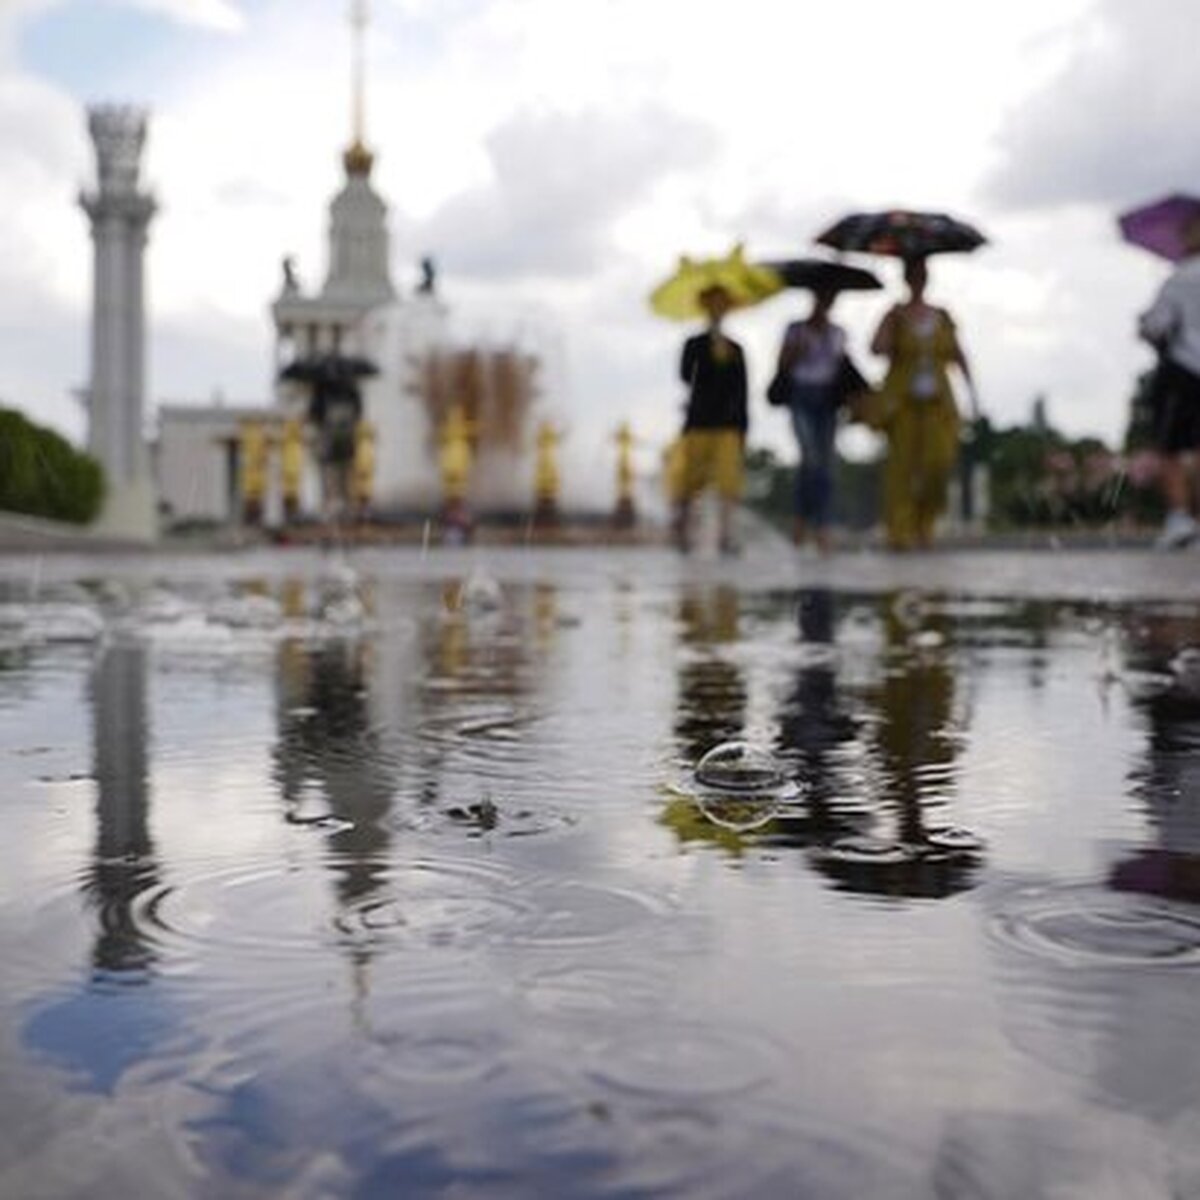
(1168, 782)
(914, 748)
(814, 723)
(712, 691)
(711, 707)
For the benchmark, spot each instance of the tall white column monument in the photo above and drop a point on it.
(120, 216)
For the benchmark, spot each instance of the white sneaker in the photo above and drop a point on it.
(1178, 530)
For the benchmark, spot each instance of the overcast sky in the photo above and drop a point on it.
(555, 156)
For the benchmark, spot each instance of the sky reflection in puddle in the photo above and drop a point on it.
(407, 902)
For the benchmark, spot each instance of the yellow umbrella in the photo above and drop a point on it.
(746, 284)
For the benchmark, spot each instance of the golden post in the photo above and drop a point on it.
(362, 479)
(625, 513)
(291, 467)
(456, 456)
(253, 452)
(546, 480)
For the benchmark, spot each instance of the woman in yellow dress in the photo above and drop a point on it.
(917, 412)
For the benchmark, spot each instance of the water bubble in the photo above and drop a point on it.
(954, 840)
(738, 814)
(1185, 666)
(739, 786)
(480, 592)
(909, 609)
(248, 612)
(343, 609)
(340, 574)
(740, 768)
(163, 607)
(65, 622)
(15, 616)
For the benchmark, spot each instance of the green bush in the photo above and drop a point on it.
(43, 475)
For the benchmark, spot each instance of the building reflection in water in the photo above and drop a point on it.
(118, 1019)
(123, 865)
(477, 669)
(330, 767)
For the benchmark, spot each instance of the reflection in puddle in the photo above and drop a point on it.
(376, 883)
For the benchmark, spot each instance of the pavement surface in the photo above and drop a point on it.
(1085, 574)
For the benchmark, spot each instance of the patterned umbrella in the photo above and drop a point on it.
(1164, 227)
(679, 296)
(902, 234)
(824, 275)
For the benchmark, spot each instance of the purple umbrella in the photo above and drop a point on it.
(1161, 227)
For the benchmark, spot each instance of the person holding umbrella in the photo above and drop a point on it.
(919, 414)
(1171, 228)
(713, 366)
(814, 377)
(916, 409)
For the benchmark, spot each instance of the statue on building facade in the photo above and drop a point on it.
(428, 284)
(291, 281)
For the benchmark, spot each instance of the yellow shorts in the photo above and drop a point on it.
(712, 458)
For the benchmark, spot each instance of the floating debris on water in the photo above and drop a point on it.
(483, 813)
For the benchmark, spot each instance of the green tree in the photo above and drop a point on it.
(42, 474)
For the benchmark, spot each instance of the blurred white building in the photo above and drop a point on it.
(357, 312)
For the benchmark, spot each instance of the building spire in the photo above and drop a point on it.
(357, 158)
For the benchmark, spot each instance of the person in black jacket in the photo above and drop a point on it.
(714, 428)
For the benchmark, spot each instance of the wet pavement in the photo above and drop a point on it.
(391, 874)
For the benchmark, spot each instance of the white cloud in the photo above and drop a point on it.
(1112, 125)
(559, 156)
(560, 182)
(221, 15)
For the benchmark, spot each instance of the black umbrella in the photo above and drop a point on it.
(822, 275)
(328, 368)
(333, 378)
(902, 234)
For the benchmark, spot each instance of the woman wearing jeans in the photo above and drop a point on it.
(811, 358)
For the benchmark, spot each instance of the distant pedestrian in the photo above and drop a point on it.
(811, 361)
(714, 429)
(917, 412)
(1172, 326)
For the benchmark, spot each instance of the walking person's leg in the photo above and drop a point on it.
(728, 471)
(1177, 432)
(937, 444)
(900, 482)
(823, 466)
(805, 485)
